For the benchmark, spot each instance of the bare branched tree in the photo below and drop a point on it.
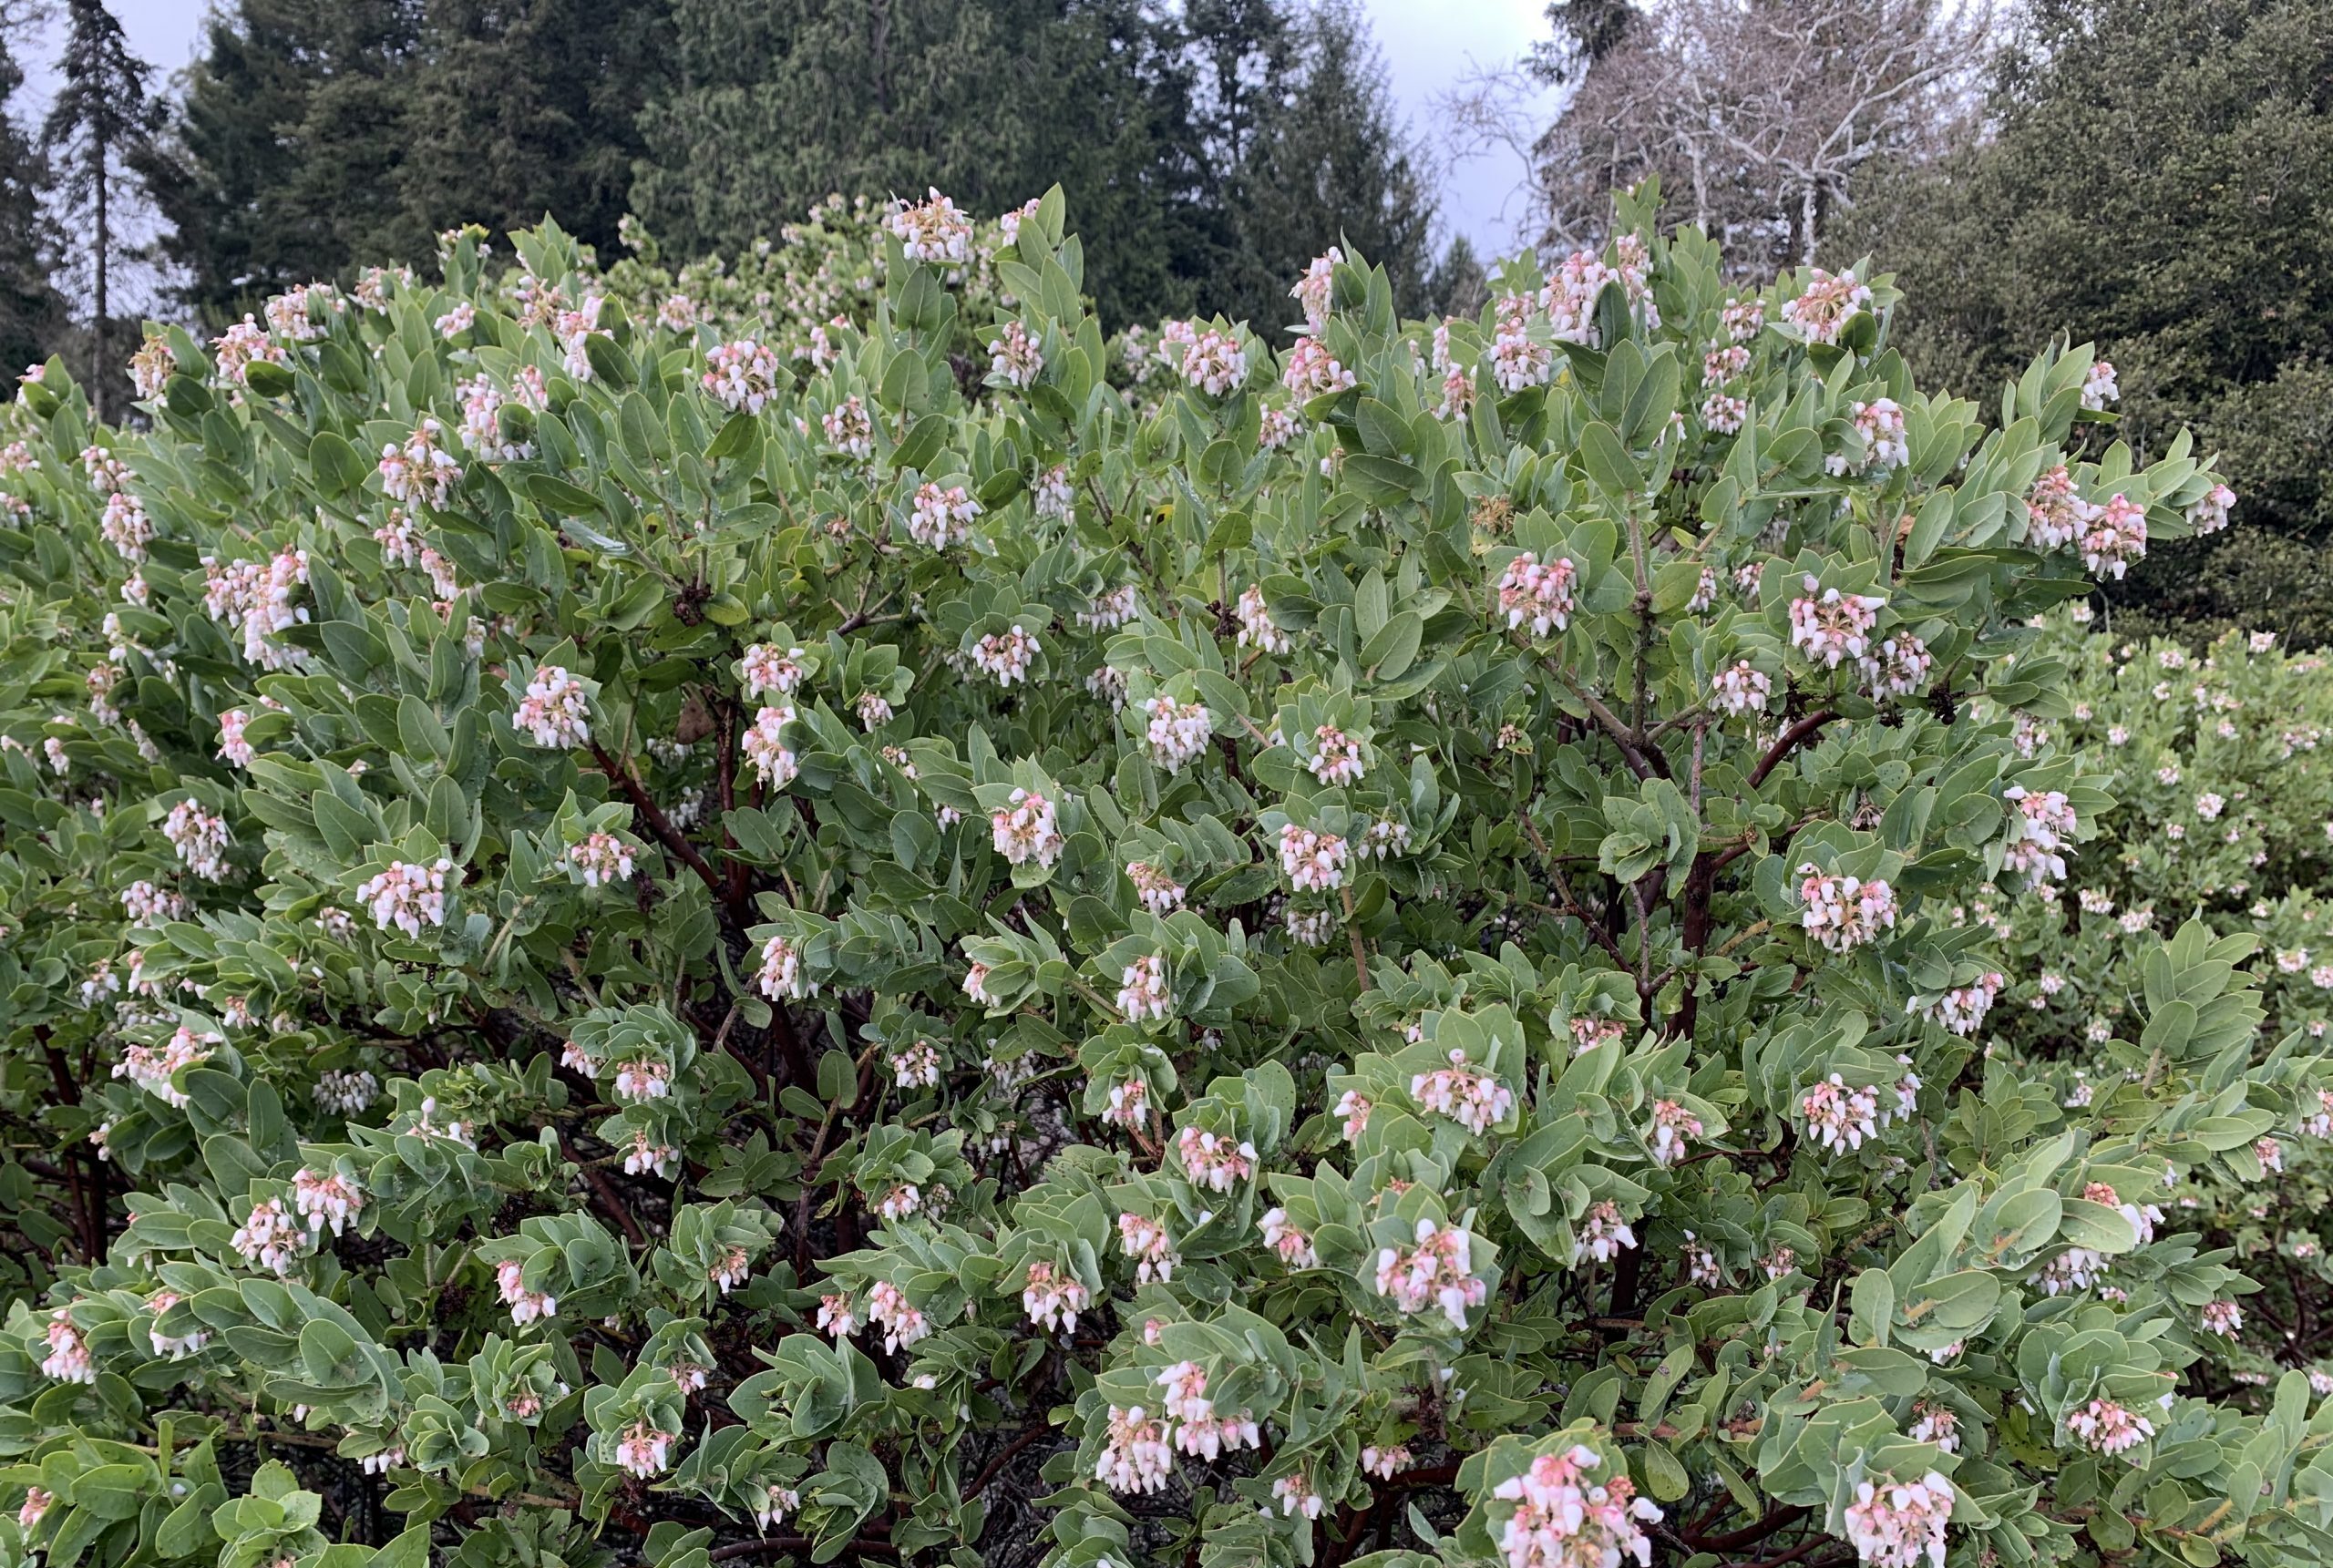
(1754, 114)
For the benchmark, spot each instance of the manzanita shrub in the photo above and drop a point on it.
(626, 946)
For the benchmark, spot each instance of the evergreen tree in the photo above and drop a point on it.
(2156, 178)
(1319, 161)
(521, 108)
(30, 311)
(279, 165)
(103, 120)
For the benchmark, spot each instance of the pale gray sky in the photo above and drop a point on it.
(1429, 45)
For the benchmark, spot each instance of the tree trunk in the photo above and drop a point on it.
(104, 249)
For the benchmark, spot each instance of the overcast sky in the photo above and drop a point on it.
(1429, 45)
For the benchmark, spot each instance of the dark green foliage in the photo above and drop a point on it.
(102, 119)
(2157, 180)
(30, 310)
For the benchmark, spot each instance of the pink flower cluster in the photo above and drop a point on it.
(781, 970)
(1211, 1160)
(1437, 1272)
(271, 1238)
(327, 1198)
(407, 896)
(1826, 307)
(1844, 912)
(741, 376)
(2105, 1427)
(603, 858)
(1603, 1233)
(1052, 1298)
(1563, 1520)
(556, 710)
(1026, 829)
(1256, 626)
(1830, 627)
(765, 746)
(1473, 1099)
(1313, 371)
(1143, 993)
(1177, 731)
(1538, 594)
(1313, 860)
(199, 837)
(932, 230)
(1894, 1523)
(1146, 1243)
(2040, 825)
(1673, 1128)
(938, 517)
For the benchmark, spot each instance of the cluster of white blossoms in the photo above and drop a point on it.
(526, 1305)
(2105, 1426)
(1313, 289)
(271, 1238)
(1026, 829)
(1518, 360)
(199, 837)
(938, 517)
(1143, 992)
(126, 527)
(1827, 306)
(1830, 627)
(1571, 290)
(769, 668)
(407, 896)
(1211, 1160)
(1136, 1455)
(1963, 1007)
(1256, 627)
(1127, 1103)
(2099, 387)
(1006, 657)
(1673, 1130)
(902, 1323)
(729, 1271)
(1177, 731)
(1473, 1099)
(1603, 1233)
(1293, 1247)
(2114, 536)
(1014, 358)
(764, 743)
(1111, 608)
(1563, 1520)
(327, 1198)
(644, 1450)
(741, 376)
(240, 347)
(1160, 893)
(1740, 688)
(1277, 426)
(2209, 514)
(1313, 371)
(1336, 756)
(1313, 860)
(344, 1091)
(1894, 1523)
(849, 429)
(146, 904)
(152, 1069)
(1053, 496)
(641, 1079)
(233, 749)
(1880, 423)
(1897, 667)
(1436, 1272)
(2222, 1317)
(1215, 364)
(1147, 1245)
(1839, 1118)
(1053, 1296)
(603, 858)
(932, 230)
(1296, 1496)
(1538, 593)
(68, 1362)
(1844, 912)
(482, 403)
(177, 1347)
(254, 597)
(2040, 825)
(556, 710)
(421, 469)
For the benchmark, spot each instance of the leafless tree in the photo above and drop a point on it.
(1755, 114)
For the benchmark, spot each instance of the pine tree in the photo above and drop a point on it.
(29, 306)
(103, 118)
